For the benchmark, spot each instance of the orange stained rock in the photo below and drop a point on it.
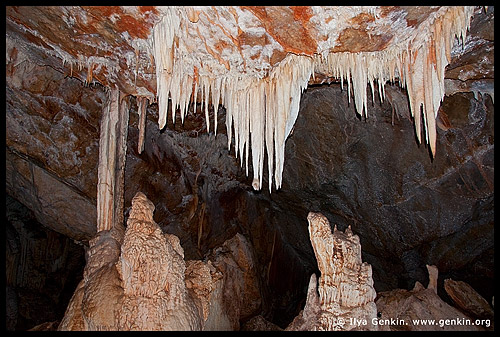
(288, 27)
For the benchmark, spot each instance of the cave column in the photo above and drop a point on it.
(111, 169)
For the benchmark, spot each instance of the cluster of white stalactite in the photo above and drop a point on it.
(262, 111)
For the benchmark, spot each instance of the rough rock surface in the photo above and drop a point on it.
(345, 287)
(138, 286)
(52, 136)
(144, 283)
(94, 303)
(403, 205)
(203, 282)
(152, 270)
(398, 309)
(240, 295)
(110, 43)
(259, 323)
(467, 299)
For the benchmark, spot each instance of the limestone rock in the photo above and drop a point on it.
(433, 276)
(141, 281)
(237, 296)
(345, 287)
(53, 119)
(467, 299)
(73, 317)
(201, 280)
(97, 298)
(420, 309)
(259, 323)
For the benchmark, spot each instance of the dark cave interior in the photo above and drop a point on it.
(408, 208)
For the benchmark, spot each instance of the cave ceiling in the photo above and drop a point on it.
(236, 55)
(110, 44)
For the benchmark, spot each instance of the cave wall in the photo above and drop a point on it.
(407, 208)
(42, 269)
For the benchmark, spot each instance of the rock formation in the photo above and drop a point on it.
(259, 323)
(95, 303)
(407, 208)
(138, 286)
(421, 309)
(345, 287)
(152, 268)
(203, 281)
(144, 283)
(238, 293)
(467, 299)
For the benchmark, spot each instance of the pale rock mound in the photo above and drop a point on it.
(95, 303)
(138, 285)
(152, 269)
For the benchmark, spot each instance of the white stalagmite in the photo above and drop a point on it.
(263, 110)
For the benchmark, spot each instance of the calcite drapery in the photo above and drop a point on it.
(262, 102)
(235, 55)
(345, 287)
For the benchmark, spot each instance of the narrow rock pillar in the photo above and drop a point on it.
(112, 154)
(143, 102)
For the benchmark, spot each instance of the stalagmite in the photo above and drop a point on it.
(345, 287)
(140, 281)
(262, 108)
(151, 267)
(433, 277)
(112, 152)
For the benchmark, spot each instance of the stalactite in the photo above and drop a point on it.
(121, 154)
(143, 103)
(90, 70)
(105, 185)
(262, 111)
(112, 151)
